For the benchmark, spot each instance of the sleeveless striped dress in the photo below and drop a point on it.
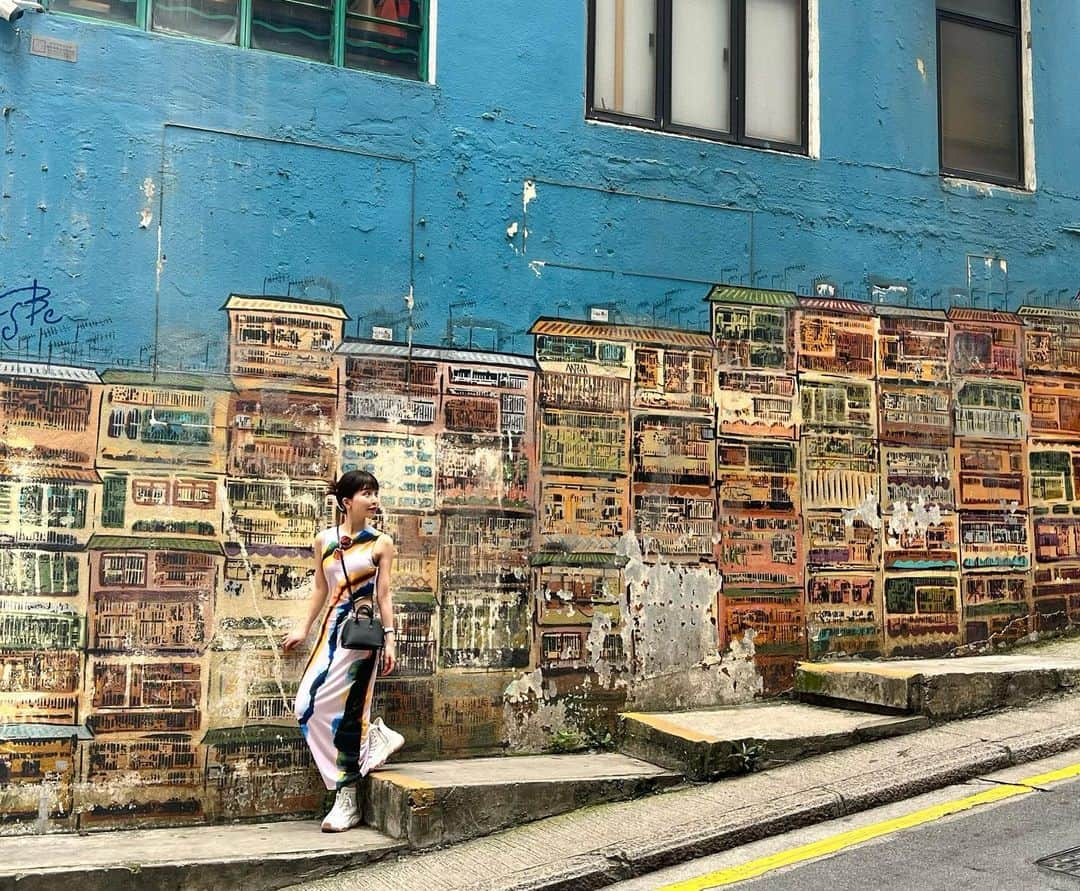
(333, 704)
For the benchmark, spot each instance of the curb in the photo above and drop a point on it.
(618, 863)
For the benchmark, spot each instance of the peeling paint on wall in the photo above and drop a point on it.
(674, 627)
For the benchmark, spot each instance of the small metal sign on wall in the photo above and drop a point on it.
(51, 48)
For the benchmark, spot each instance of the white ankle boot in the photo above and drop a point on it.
(382, 743)
(345, 814)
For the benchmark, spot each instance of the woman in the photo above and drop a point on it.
(333, 704)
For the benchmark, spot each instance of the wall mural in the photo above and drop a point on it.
(630, 517)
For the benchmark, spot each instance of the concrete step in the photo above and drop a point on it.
(937, 688)
(707, 744)
(439, 802)
(193, 858)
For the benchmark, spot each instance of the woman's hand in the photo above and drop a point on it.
(294, 638)
(389, 655)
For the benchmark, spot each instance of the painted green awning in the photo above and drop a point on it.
(601, 560)
(759, 593)
(179, 380)
(43, 732)
(251, 733)
(1006, 608)
(153, 543)
(581, 616)
(420, 598)
(753, 296)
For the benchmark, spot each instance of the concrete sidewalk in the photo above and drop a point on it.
(599, 845)
(192, 858)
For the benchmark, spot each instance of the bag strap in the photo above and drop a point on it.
(348, 583)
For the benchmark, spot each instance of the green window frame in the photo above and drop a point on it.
(114, 501)
(31, 500)
(384, 36)
(66, 507)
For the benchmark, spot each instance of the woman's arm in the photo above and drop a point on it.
(320, 589)
(383, 556)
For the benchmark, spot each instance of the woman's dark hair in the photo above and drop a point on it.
(352, 482)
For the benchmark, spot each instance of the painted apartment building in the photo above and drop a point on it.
(1051, 364)
(920, 529)
(49, 492)
(758, 481)
(451, 435)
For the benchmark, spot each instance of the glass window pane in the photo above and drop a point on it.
(1002, 11)
(294, 28)
(113, 10)
(383, 35)
(701, 63)
(979, 101)
(624, 77)
(774, 70)
(209, 19)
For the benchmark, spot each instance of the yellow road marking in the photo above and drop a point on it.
(1054, 776)
(826, 846)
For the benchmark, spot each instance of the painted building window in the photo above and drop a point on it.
(30, 505)
(180, 569)
(113, 502)
(513, 414)
(116, 423)
(160, 426)
(123, 570)
(563, 646)
(734, 70)
(66, 507)
(131, 423)
(389, 36)
(194, 493)
(150, 492)
(124, 422)
(37, 572)
(176, 427)
(979, 71)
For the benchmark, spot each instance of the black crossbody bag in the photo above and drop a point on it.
(362, 628)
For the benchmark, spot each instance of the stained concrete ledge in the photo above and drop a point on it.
(197, 858)
(705, 745)
(937, 688)
(440, 802)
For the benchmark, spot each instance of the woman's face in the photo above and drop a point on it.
(363, 504)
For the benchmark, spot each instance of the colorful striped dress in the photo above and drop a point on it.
(333, 704)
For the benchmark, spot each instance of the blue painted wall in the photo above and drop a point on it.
(255, 165)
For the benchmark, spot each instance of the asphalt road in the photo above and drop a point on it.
(991, 847)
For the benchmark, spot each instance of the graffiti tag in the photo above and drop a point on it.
(27, 306)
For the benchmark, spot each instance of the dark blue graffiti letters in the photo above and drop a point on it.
(25, 308)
